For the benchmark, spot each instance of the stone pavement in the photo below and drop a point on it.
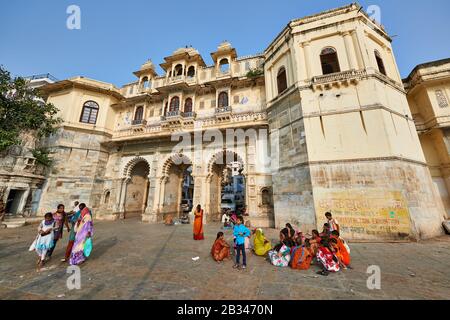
(133, 260)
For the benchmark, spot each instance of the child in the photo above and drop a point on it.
(240, 232)
(333, 223)
(44, 240)
(220, 249)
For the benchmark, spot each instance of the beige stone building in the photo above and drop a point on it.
(340, 134)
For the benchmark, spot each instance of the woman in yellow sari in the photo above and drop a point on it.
(260, 243)
(198, 223)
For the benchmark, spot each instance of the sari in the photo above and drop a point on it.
(220, 250)
(301, 258)
(328, 260)
(260, 244)
(198, 225)
(342, 253)
(83, 229)
(72, 219)
(282, 261)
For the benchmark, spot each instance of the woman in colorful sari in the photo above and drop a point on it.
(340, 252)
(198, 223)
(315, 241)
(73, 218)
(60, 217)
(326, 257)
(220, 249)
(302, 255)
(84, 231)
(260, 243)
(281, 254)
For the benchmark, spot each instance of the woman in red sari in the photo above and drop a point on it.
(198, 224)
(220, 249)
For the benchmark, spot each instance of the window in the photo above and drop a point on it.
(236, 99)
(224, 65)
(202, 105)
(441, 99)
(139, 114)
(329, 60)
(174, 104)
(380, 63)
(145, 83)
(191, 71)
(178, 70)
(107, 196)
(188, 105)
(223, 99)
(90, 113)
(281, 80)
(265, 197)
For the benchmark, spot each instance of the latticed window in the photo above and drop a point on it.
(174, 104)
(329, 60)
(188, 105)
(441, 99)
(380, 63)
(281, 80)
(90, 113)
(223, 99)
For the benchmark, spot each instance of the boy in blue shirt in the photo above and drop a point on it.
(240, 232)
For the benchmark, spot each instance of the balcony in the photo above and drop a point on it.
(171, 118)
(223, 113)
(138, 122)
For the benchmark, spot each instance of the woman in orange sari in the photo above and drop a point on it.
(198, 223)
(220, 249)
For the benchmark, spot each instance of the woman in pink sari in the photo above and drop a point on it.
(84, 231)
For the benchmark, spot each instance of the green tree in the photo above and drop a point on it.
(21, 112)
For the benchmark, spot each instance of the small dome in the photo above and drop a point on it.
(148, 65)
(224, 46)
(191, 51)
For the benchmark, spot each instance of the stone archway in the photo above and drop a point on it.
(218, 169)
(137, 186)
(174, 172)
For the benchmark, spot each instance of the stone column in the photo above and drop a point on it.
(350, 51)
(301, 67)
(23, 201)
(357, 47)
(306, 47)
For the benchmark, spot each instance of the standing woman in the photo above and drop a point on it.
(73, 219)
(84, 230)
(60, 218)
(198, 223)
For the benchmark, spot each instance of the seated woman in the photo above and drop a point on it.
(220, 249)
(281, 254)
(260, 243)
(292, 234)
(302, 255)
(325, 256)
(315, 241)
(341, 251)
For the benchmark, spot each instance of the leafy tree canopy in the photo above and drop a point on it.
(21, 111)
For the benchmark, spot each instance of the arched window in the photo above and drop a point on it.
(224, 65)
(191, 71)
(107, 196)
(329, 60)
(90, 113)
(223, 99)
(174, 104)
(281, 80)
(380, 63)
(188, 105)
(145, 83)
(178, 70)
(139, 114)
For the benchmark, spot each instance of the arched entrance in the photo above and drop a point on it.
(137, 190)
(178, 187)
(226, 184)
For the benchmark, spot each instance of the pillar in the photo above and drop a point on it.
(353, 64)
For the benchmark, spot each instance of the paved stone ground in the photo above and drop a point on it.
(133, 260)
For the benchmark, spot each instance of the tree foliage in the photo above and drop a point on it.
(21, 111)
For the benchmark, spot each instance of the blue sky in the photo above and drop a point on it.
(116, 37)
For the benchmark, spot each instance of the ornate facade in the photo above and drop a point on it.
(341, 136)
